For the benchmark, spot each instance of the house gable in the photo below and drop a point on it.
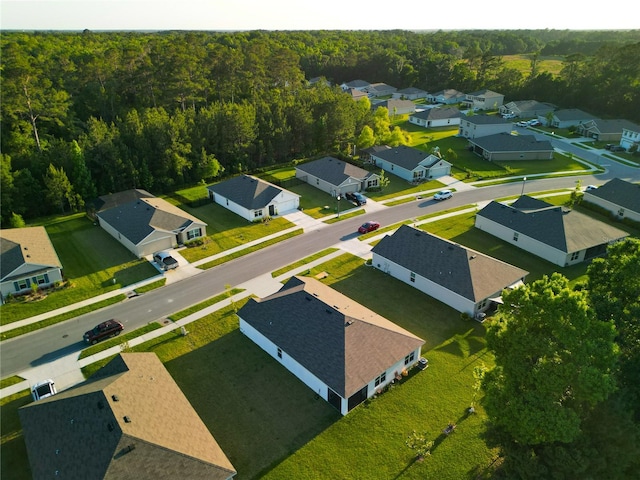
(620, 193)
(249, 192)
(333, 171)
(26, 250)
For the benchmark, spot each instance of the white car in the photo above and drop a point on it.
(43, 389)
(508, 116)
(588, 188)
(443, 195)
(522, 123)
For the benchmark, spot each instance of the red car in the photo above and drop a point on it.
(368, 227)
(107, 329)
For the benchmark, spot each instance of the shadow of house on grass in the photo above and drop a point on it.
(258, 411)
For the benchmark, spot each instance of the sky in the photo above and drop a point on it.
(313, 15)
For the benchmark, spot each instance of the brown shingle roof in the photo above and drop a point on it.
(31, 245)
(129, 420)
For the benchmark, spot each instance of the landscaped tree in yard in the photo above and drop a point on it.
(554, 359)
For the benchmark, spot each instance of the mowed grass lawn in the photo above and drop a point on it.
(91, 259)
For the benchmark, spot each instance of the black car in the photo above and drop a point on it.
(107, 329)
(357, 198)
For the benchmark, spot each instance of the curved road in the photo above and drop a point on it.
(59, 340)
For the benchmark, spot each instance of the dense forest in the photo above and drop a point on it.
(89, 113)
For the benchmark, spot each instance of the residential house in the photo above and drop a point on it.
(336, 176)
(619, 197)
(357, 94)
(630, 140)
(411, 93)
(340, 349)
(253, 198)
(128, 420)
(379, 89)
(436, 117)
(605, 130)
(395, 106)
(355, 84)
(483, 100)
(319, 81)
(504, 146)
(466, 280)
(146, 224)
(561, 236)
(566, 118)
(27, 257)
(446, 97)
(475, 126)
(411, 164)
(527, 109)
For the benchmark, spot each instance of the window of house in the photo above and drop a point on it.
(409, 358)
(194, 233)
(391, 167)
(417, 174)
(23, 284)
(279, 352)
(515, 236)
(621, 212)
(575, 256)
(40, 279)
(257, 213)
(381, 379)
(482, 304)
(412, 277)
(317, 181)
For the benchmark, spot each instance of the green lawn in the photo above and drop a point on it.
(91, 259)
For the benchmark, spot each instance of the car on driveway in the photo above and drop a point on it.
(534, 123)
(588, 188)
(443, 195)
(522, 123)
(357, 198)
(103, 330)
(165, 261)
(43, 389)
(367, 227)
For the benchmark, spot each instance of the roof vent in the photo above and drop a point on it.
(115, 398)
(308, 298)
(348, 323)
(127, 419)
(328, 311)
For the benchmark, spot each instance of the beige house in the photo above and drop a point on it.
(483, 100)
(27, 257)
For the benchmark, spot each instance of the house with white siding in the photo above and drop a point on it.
(466, 280)
(475, 126)
(448, 96)
(619, 197)
(339, 348)
(559, 235)
(436, 117)
(410, 164)
(336, 177)
(410, 93)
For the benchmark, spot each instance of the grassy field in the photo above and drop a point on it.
(549, 63)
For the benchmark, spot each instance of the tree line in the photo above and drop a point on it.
(89, 113)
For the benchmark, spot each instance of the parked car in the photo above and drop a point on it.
(522, 123)
(534, 123)
(614, 148)
(443, 195)
(508, 116)
(107, 329)
(588, 188)
(165, 260)
(43, 389)
(357, 198)
(367, 227)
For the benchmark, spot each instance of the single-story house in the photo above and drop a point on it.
(319, 81)
(527, 109)
(561, 236)
(436, 117)
(446, 97)
(128, 420)
(340, 349)
(355, 84)
(618, 196)
(475, 126)
(27, 257)
(336, 176)
(568, 117)
(411, 164)
(379, 89)
(630, 137)
(483, 100)
(147, 224)
(356, 94)
(464, 279)
(410, 93)
(504, 146)
(253, 198)
(395, 106)
(605, 130)
(366, 153)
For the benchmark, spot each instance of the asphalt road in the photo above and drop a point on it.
(59, 340)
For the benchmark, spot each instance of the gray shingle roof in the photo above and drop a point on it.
(136, 220)
(249, 192)
(29, 245)
(484, 93)
(620, 192)
(505, 142)
(411, 91)
(569, 114)
(129, 420)
(341, 342)
(106, 202)
(614, 126)
(334, 171)
(472, 275)
(566, 230)
(486, 120)
(403, 156)
(438, 114)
